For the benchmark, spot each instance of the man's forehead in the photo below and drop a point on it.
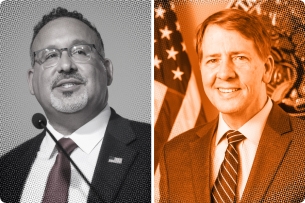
(214, 30)
(216, 33)
(62, 28)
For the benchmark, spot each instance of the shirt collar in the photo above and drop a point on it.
(87, 136)
(252, 129)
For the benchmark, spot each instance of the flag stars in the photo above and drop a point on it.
(157, 62)
(172, 6)
(177, 74)
(172, 53)
(183, 46)
(159, 12)
(177, 26)
(165, 33)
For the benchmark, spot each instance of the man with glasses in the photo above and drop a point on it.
(69, 78)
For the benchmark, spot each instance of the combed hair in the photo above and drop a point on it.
(62, 12)
(250, 26)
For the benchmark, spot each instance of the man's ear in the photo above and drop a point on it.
(109, 71)
(30, 80)
(269, 66)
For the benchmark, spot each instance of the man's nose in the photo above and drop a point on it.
(65, 63)
(226, 70)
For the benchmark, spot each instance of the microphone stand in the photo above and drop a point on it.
(72, 162)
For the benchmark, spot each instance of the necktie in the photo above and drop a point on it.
(224, 188)
(57, 187)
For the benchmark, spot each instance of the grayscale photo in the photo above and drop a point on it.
(75, 94)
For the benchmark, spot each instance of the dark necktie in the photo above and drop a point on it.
(57, 187)
(224, 189)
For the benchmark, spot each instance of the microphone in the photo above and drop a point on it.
(38, 119)
(40, 122)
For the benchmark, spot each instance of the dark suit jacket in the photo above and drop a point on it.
(126, 182)
(277, 174)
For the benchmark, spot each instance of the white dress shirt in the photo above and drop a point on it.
(88, 139)
(252, 130)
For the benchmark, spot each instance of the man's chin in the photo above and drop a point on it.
(69, 102)
(228, 108)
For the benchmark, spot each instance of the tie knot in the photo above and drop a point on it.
(68, 145)
(234, 136)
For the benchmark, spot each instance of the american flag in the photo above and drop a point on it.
(177, 103)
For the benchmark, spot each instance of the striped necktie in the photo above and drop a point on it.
(224, 189)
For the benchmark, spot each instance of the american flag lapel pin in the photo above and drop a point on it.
(116, 160)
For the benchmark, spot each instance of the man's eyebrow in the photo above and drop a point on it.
(78, 41)
(211, 55)
(231, 53)
(239, 52)
(50, 46)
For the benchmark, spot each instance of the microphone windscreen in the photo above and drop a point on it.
(37, 119)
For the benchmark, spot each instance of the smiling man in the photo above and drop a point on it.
(69, 78)
(253, 151)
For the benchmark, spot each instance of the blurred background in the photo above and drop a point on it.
(125, 28)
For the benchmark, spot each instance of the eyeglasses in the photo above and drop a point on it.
(49, 57)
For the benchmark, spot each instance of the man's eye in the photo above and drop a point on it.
(212, 61)
(241, 58)
(79, 52)
(51, 56)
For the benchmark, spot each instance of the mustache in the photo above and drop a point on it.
(64, 75)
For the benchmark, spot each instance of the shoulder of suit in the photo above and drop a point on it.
(20, 150)
(134, 124)
(142, 130)
(137, 124)
(298, 126)
(286, 123)
(187, 137)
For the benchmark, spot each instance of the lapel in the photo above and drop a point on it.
(270, 152)
(108, 176)
(25, 163)
(200, 152)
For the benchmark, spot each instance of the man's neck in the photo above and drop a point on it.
(238, 119)
(67, 123)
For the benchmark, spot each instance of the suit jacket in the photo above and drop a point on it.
(277, 174)
(126, 182)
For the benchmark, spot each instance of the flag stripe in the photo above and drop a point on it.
(159, 94)
(166, 118)
(189, 110)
